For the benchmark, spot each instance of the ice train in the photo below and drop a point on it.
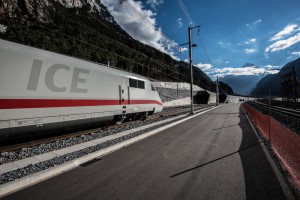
(42, 91)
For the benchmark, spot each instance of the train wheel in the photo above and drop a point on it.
(144, 116)
(118, 119)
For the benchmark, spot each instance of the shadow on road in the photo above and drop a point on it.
(260, 179)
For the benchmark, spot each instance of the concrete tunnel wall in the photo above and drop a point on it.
(201, 96)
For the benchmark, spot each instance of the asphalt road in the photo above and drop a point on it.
(215, 155)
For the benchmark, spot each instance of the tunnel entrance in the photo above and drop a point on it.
(201, 97)
(222, 97)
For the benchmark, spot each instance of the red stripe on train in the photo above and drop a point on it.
(50, 103)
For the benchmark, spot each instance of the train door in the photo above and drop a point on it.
(125, 98)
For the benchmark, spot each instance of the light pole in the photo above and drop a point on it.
(190, 64)
(217, 91)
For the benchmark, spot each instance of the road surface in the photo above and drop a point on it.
(215, 155)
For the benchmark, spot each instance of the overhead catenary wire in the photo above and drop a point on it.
(123, 45)
(192, 24)
(289, 53)
(136, 14)
(148, 24)
(142, 18)
(203, 46)
(105, 50)
(205, 51)
(279, 61)
(185, 12)
(139, 16)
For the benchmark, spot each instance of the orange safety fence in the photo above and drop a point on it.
(285, 143)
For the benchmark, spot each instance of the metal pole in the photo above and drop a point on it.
(191, 70)
(270, 117)
(217, 91)
(177, 90)
(294, 86)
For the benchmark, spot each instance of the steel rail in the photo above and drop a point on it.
(286, 111)
(168, 112)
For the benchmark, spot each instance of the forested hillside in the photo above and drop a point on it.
(90, 34)
(272, 83)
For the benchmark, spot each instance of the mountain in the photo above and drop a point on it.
(30, 11)
(225, 88)
(242, 84)
(85, 29)
(199, 77)
(272, 82)
(249, 65)
(41, 9)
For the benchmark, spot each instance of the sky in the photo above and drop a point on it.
(265, 33)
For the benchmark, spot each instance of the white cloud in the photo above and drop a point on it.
(249, 51)
(227, 45)
(288, 30)
(249, 41)
(238, 71)
(204, 67)
(283, 44)
(182, 49)
(227, 62)
(296, 53)
(154, 3)
(210, 73)
(271, 67)
(271, 72)
(144, 32)
(284, 39)
(252, 26)
(179, 22)
(141, 24)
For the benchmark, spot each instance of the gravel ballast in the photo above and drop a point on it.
(292, 123)
(10, 157)
(34, 168)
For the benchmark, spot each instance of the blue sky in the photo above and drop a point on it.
(233, 32)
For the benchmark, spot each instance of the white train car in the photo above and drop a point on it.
(42, 91)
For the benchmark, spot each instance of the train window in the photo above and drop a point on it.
(136, 83)
(153, 88)
(141, 84)
(133, 83)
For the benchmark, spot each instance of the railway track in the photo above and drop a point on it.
(287, 117)
(289, 112)
(166, 113)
